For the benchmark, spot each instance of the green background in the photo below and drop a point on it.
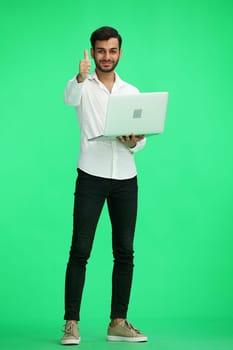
(182, 295)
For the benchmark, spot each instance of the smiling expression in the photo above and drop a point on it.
(106, 54)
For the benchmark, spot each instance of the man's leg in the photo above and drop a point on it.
(89, 201)
(122, 205)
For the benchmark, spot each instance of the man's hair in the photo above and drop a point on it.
(105, 33)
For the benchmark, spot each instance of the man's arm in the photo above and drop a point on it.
(73, 91)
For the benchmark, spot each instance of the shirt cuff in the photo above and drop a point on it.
(140, 144)
(73, 92)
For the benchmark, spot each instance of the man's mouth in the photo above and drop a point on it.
(106, 63)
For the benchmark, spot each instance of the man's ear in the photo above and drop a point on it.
(92, 52)
(120, 53)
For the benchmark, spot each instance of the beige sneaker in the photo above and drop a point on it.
(71, 335)
(124, 331)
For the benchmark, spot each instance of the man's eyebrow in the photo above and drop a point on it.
(103, 48)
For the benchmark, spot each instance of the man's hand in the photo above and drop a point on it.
(130, 140)
(84, 67)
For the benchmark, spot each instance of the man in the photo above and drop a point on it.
(106, 171)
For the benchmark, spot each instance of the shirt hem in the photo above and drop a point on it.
(105, 176)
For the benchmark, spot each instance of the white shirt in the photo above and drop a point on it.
(105, 158)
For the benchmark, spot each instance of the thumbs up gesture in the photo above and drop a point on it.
(84, 67)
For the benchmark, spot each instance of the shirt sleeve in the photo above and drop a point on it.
(140, 145)
(73, 92)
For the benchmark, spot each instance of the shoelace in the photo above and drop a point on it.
(131, 327)
(68, 329)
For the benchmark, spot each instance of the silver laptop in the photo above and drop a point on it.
(142, 114)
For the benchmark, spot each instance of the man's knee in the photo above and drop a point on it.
(80, 251)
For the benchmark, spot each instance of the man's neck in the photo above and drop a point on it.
(105, 77)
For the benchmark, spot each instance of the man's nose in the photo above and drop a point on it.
(107, 55)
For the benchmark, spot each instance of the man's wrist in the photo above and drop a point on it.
(134, 145)
(79, 78)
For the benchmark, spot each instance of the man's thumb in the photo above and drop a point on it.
(86, 54)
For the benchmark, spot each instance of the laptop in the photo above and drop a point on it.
(141, 114)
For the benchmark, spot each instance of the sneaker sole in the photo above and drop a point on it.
(127, 339)
(71, 341)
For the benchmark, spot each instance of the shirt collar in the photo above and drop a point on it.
(118, 81)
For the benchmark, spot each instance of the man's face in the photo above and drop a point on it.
(106, 54)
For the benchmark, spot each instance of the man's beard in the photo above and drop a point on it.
(106, 70)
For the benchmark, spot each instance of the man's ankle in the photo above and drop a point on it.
(75, 321)
(115, 321)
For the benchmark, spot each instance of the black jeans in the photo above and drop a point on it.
(90, 195)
